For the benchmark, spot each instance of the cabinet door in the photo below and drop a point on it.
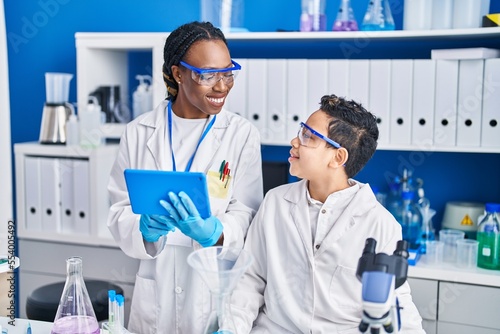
(429, 326)
(448, 328)
(424, 294)
(471, 305)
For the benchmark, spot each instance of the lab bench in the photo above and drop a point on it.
(455, 300)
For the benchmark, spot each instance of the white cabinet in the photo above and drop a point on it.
(452, 300)
(62, 193)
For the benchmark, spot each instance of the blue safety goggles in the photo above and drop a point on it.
(211, 76)
(307, 137)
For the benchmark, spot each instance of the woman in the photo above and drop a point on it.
(190, 131)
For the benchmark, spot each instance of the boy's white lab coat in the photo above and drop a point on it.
(312, 291)
(169, 297)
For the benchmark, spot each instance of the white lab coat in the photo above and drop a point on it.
(169, 297)
(303, 291)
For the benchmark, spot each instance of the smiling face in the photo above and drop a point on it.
(195, 100)
(308, 162)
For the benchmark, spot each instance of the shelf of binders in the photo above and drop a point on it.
(277, 93)
(420, 104)
(62, 193)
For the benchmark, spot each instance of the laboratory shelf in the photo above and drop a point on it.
(348, 35)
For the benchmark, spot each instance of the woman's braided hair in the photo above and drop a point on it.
(177, 45)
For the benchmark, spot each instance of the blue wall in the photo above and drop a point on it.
(41, 39)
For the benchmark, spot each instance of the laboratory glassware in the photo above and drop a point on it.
(427, 213)
(220, 268)
(411, 220)
(345, 20)
(313, 17)
(75, 314)
(488, 235)
(378, 16)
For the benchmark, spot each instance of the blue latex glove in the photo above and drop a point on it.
(153, 227)
(187, 219)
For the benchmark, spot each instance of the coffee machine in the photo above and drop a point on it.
(56, 110)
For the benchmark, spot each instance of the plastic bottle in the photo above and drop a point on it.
(488, 236)
(75, 313)
(313, 17)
(378, 16)
(72, 131)
(90, 125)
(142, 97)
(411, 220)
(345, 18)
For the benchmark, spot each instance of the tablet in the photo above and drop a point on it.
(147, 187)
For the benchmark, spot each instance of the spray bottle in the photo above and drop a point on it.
(142, 97)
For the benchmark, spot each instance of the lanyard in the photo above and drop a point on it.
(207, 129)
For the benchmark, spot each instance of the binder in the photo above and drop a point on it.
(296, 96)
(470, 95)
(81, 184)
(359, 80)
(50, 194)
(317, 83)
(338, 77)
(401, 103)
(237, 99)
(32, 194)
(67, 196)
(424, 73)
(257, 94)
(276, 101)
(379, 96)
(445, 106)
(490, 124)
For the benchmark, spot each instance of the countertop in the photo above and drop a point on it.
(451, 273)
(20, 326)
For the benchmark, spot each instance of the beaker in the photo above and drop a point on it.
(57, 87)
(378, 16)
(220, 268)
(75, 314)
(313, 17)
(345, 20)
(225, 14)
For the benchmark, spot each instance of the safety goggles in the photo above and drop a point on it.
(211, 76)
(311, 138)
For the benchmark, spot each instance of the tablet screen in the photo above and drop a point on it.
(147, 187)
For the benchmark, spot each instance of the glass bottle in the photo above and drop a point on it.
(393, 201)
(411, 220)
(378, 16)
(75, 314)
(427, 229)
(488, 236)
(313, 17)
(345, 18)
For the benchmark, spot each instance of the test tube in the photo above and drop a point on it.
(111, 307)
(120, 311)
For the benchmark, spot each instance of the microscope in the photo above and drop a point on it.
(380, 275)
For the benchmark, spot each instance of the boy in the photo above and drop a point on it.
(308, 236)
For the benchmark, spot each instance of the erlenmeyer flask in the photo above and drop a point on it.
(220, 268)
(378, 16)
(345, 20)
(75, 314)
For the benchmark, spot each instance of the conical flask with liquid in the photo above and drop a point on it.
(378, 16)
(220, 268)
(75, 314)
(345, 20)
